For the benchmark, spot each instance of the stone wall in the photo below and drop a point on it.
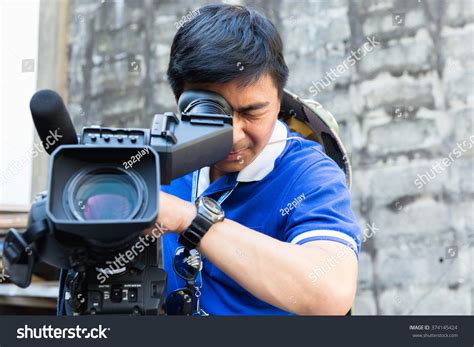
(395, 74)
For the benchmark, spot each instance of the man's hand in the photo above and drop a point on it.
(175, 214)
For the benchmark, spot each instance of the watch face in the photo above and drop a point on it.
(212, 205)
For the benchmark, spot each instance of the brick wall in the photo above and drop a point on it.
(403, 107)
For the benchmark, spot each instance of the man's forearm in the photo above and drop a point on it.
(279, 272)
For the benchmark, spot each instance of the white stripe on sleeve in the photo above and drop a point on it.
(325, 233)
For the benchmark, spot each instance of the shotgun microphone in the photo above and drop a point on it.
(52, 120)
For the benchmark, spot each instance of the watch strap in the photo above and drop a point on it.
(191, 237)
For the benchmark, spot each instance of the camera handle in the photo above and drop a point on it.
(74, 296)
(20, 252)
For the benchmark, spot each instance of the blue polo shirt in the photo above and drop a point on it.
(292, 192)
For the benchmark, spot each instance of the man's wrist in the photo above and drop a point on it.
(206, 213)
(188, 217)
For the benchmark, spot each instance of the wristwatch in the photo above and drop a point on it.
(209, 212)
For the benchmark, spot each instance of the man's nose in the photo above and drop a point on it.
(238, 128)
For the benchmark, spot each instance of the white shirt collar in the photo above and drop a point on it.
(262, 165)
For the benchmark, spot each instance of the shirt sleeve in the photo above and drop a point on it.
(318, 207)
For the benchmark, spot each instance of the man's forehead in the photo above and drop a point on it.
(255, 95)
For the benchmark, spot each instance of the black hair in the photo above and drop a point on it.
(221, 43)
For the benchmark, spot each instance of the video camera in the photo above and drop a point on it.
(103, 191)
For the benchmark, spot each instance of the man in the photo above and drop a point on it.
(289, 241)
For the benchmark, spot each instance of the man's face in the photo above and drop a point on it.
(256, 109)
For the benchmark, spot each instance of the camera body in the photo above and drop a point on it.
(136, 289)
(81, 242)
(103, 191)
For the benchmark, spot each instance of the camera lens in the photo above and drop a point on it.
(112, 194)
